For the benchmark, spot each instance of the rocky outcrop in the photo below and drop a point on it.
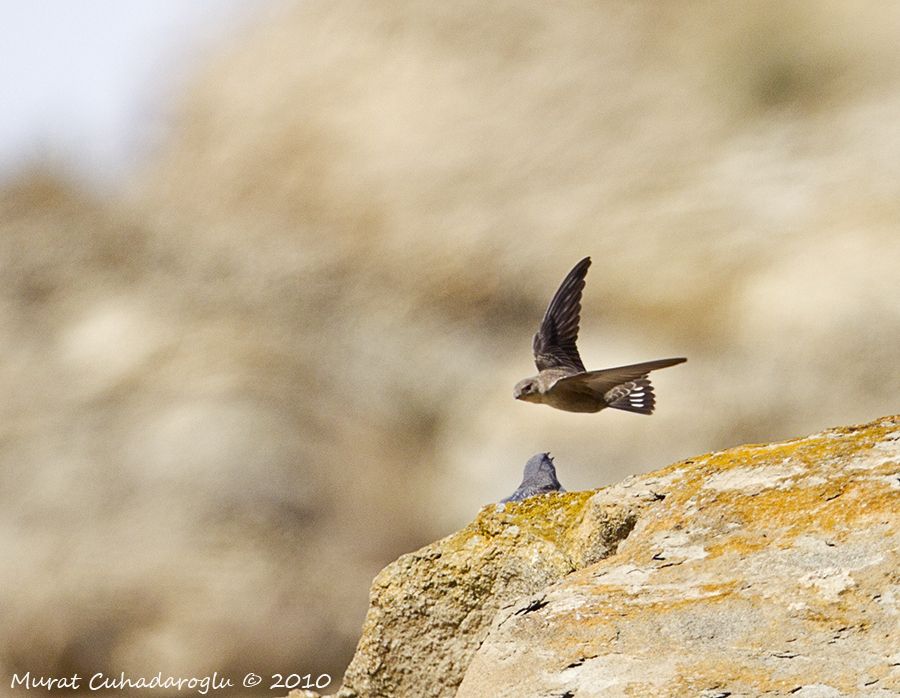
(430, 610)
(760, 570)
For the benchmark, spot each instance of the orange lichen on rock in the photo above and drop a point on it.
(764, 569)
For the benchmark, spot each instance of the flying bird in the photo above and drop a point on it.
(562, 381)
(539, 478)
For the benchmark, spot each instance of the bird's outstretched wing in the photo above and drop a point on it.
(554, 343)
(606, 379)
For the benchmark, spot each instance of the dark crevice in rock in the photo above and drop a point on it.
(535, 605)
(580, 661)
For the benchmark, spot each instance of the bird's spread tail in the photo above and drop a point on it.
(633, 396)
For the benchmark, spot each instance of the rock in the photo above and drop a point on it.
(430, 610)
(764, 569)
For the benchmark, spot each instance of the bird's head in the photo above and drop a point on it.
(540, 468)
(527, 389)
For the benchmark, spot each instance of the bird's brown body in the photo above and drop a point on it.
(563, 382)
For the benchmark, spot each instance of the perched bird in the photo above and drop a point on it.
(562, 381)
(539, 478)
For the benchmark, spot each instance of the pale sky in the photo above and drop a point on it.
(84, 84)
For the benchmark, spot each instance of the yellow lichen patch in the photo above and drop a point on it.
(695, 677)
(611, 603)
(721, 588)
(549, 516)
(792, 487)
(740, 546)
(807, 509)
(814, 450)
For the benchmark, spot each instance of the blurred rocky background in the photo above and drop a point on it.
(276, 348)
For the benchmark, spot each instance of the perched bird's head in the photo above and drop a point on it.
(539, 470)
(527, 389)
(539, 478)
